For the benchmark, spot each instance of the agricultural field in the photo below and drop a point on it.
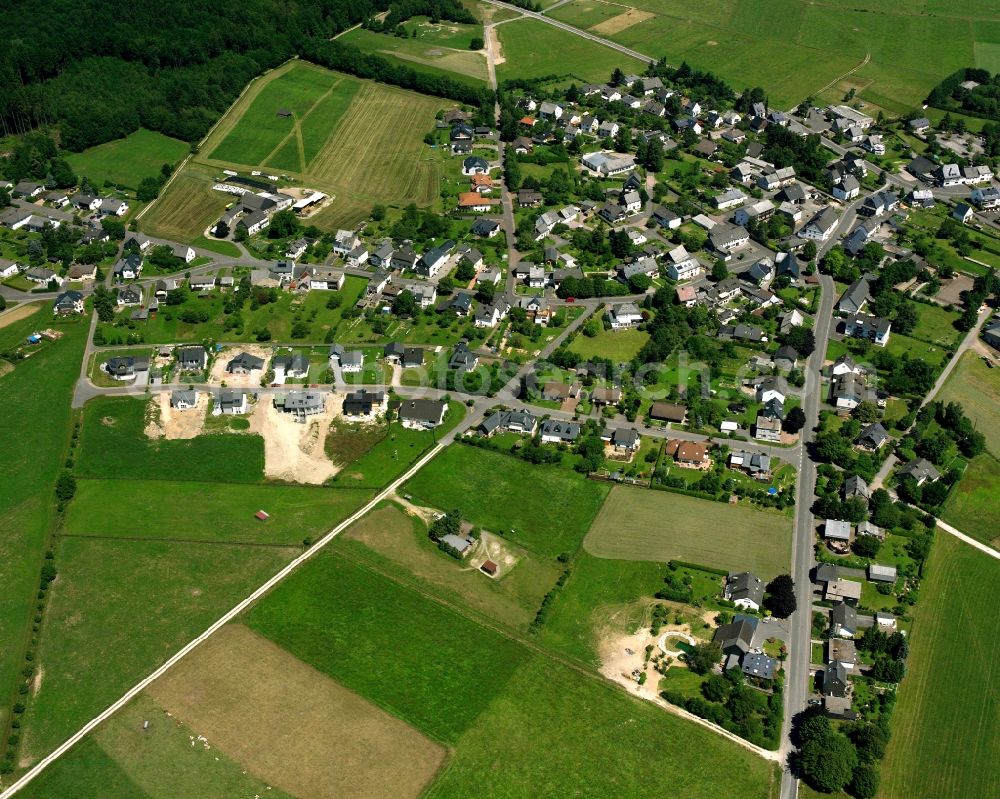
(127, 161)
(359, 141)
(544, 508)
(415, 658)
(948, 711)
(252, 700)
(972, 506)
(30, 461)
(533, 49)
(390, 541)
(441, 49)
(211, 512)
(795, 49)
(118, 609)
(113, 445)
(619, 346)
(976, 387)
(579, 726)
(638, 524)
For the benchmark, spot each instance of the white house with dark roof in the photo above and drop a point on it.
(624, 315)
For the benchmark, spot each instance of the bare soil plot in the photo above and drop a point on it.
(619, 23)
(219, 374)
(641, 524)
(180, 424)
(292, 726)
(294, 451)
(18, 312)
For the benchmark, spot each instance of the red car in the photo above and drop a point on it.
(571, 299)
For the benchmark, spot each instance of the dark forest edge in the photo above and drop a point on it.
(177, 73)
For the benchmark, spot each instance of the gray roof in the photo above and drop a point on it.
(920, 469)
(735, 636)
(757, 664)
(422, 410)
(187, 396)
(745, 585)
(245, 361)
(565, 431)
(845, 617)
(304, 401)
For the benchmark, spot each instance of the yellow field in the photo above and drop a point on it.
(187, 207)
(291, 726)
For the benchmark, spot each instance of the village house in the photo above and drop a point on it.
(745, 590)
(690, 454)
(192, 359)
(624, 315)
(364, 402)
(421, 413)
(69, 302)
(301, 404)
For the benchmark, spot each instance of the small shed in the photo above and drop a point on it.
(489, 567)
(262, 516)
(284, 112)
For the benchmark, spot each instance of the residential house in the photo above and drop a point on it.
(364, 402)
(554, 431)
(847, 189)
(866, 528)
(435, 258)
(879, 573)
(736, 638)
(987, 199)
(625, 439)
(772, 387)
(683, 265)
(843, 591)
(462, 358)
(301, 404)
(293, 365)
(835, 682)
(873, 436)
(253, 223)
(129, 296)
(486, 228)
(756, 212)
(745, 590)
(843, 620)
(113, 206)
(666, 218)
(521, 422)
(183, 399)
(475, 165)
(766, 429)
(668, 412)
(756, 464)
(404, 259)
(921, 470)
(192, 359)
(231, 402)
(422, 413)
(624, 315)
(837, 530)
(881, 202)
(731, 198)
(129, 267)
(855, 486)
(873, 328)
(849, 391)
(244, 364)
(771, 179)
(964, 213)
(726, 239)
(821, 226)
(126, 367)
(68, 302)
(606, 396)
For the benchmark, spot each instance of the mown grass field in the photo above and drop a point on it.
(638, 524)
(948, 712)
(119, 609)
(113, 445)
(976, 388)
(35, 435)
(187, 207)
(597, 589)
(619, 346)
(419, 660)
(545, 508)
(533, 49)
(427, 53)
(794, 49)
(125, 162)
(396, 544)
(201, 511)
(259, 130)
(121, 760)
(973, 507)
(252, 700)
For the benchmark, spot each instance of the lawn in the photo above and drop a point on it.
(35, 435)
(588, 738)
(187, 207)
(259, 130)
(976, 387)
(395, 452)
(597, 590)
(125, 162)
(202, 511)
(534, 49)
(396, 544)
(619, 346)
(407, 654)
(427, 52)
(936, 326)
(545, 508)
(973, 507)
(796, 49)
(948, 712)
(113, 444)
(118, 610)
(638, 524)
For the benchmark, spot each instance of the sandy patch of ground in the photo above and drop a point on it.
(492, 547)
(294, 451)
(6, 367)
(219, 375)
(619, 23)
(623, 658)
(154, 420)
(177, 424)
(292, 726)
(19, 312)
(495, 47)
